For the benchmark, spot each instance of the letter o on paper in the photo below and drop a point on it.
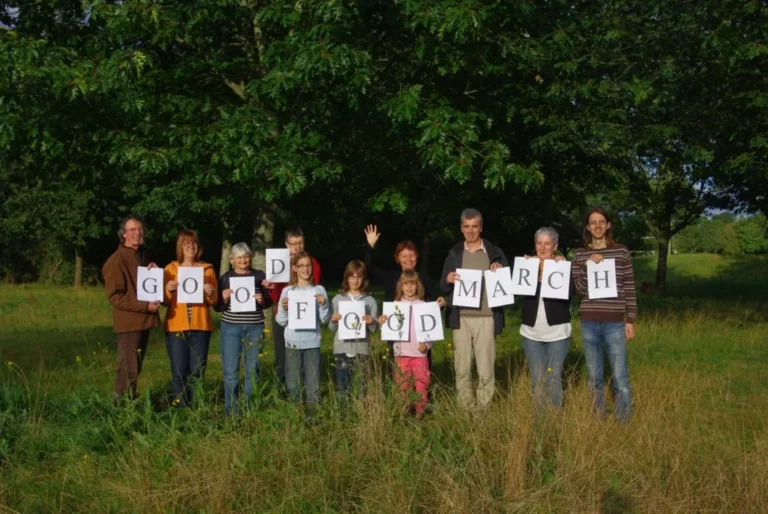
(184, 285)
(357, 320)
(237, 295)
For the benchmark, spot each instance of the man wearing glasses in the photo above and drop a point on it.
(131, 319)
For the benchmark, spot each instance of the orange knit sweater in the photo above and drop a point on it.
(176, 318)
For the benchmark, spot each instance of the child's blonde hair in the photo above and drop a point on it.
(406, 277)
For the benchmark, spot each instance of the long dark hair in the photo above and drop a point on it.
(586, 237)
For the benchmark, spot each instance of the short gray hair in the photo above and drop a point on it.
(470, 214)
(547, 231)
(240, 249)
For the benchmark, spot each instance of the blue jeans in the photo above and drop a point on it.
(307, 361)
(350, 375)
(188, 352)
(596, 337)
(237, 339)
(545, 365)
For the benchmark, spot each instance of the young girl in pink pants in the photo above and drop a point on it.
(411, 365)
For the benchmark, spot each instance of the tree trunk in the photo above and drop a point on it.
(262, 238)
(661, 263)
(78, 282)
(226, 246)
(426, 250)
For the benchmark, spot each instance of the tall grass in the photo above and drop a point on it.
(698, 441)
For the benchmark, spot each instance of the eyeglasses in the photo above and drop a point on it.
(598, 223)
(303, 266)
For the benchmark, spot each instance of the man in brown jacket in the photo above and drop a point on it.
(131, 319)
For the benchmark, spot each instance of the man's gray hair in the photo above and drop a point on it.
(470, 214)
(240, 249)
(548, 231)
(124, 221)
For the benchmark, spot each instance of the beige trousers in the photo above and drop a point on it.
(475, 337)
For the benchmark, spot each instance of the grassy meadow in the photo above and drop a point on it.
(698, 441)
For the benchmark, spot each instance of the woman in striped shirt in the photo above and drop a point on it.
(241, 332)
(607, 323)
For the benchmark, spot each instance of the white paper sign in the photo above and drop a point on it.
(243, 289)
(556, 279)
(398, 324)
(525, 276)
(498, 286)
(468, 290)
(149, 284)
(191, 284)
(429, 326)
(278, 265)
(302, 310)
(601, 279)
(351, 324)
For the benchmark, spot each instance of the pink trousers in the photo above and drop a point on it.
(413, 373)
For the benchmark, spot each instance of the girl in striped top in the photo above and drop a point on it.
(241, 332)
(608, 323)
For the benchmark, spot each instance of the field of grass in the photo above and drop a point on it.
(698, 441)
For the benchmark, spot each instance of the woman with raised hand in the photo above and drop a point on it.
(546, 329)
(607, 323)
(407, 258)
(188, 327)
(241, 332)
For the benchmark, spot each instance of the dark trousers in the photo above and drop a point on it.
(131, 349)
(188, 352)
(278, 334)
(350, 375)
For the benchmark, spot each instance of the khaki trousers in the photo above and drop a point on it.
(475, 337)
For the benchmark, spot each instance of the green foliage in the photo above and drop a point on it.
(207, 113)
(726, 234)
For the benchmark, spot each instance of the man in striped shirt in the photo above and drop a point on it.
(606, 323)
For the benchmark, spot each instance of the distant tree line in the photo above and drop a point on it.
(725, 234)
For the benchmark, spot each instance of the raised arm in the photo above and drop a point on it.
(325, 309)
(281, 318)
(579, 274)
(221, 304)
(209, 278)
(449, 266)
(116, 287)
(629, 287)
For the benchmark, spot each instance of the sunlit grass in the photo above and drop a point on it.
(698, 441)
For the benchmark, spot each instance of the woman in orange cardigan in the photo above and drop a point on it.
(188, 327)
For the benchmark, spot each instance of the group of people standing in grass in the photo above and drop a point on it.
(606, 324)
